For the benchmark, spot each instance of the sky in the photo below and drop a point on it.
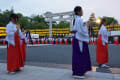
(29, 7)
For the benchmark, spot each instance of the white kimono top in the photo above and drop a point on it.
(81, 32)
(10, 30)
(104, 33)
(22, 36)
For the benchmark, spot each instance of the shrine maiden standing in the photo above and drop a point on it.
(23, 43)
(102, 45)
(81, 59)
(14, 50)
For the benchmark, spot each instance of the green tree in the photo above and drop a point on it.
(23, 21)
(63, 24)
(38, 22)
(4, 17)
(110, 20)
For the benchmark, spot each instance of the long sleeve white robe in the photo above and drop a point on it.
(22, 36)
(81, 32)
(10, 30)
(104, 33)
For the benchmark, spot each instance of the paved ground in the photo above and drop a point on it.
(44, 73)
(57, 59)
(62, 54)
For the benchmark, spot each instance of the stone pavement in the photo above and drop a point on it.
(44, 73)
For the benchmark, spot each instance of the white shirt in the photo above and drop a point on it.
(22, 36)
(10, 30)
(105, 34)
(82, 31)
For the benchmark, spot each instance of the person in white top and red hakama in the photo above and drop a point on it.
(102, 45)
(14, 50)
(23, 43)
(81, 59)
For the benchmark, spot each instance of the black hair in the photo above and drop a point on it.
(76, 9)
(102, 22)
(21, 27)
(74, 22)
(14, 16)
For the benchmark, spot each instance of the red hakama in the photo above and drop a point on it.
(14, 55)
(24, 50)
(102, 51)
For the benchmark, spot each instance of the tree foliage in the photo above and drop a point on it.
(38, 21)
(110, 20)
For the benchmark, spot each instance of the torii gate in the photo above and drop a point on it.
(50, 18)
